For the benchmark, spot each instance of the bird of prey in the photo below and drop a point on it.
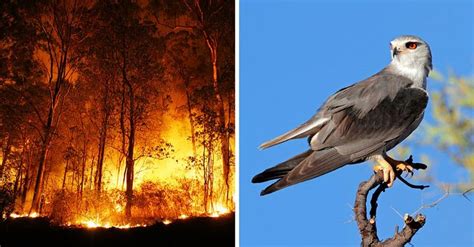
(362, 121)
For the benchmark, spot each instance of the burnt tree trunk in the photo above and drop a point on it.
(221, 119)
(48, 128)
(59, 27)
(6, 153)
(63, 187)
(41, 198)
(19, 175)
(123, 137)
(83, 171)
(38, 189)
(202, 14)
(26, 185)
(91, 176)
(101, 153)
(102, 136)
(130, 162)
(205, 181)
(190, 115)
(210, 160)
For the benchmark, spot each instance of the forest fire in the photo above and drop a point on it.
(110, 119)
(219, 210)
(32, 215)
(108, 209)
(91, 224)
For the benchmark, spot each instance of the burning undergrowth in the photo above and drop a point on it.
(153, 203)
(180, 232)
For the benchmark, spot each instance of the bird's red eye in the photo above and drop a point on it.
(411, 45)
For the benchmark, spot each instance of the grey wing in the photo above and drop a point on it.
(351, 137)
(362, 96)
(359, 136)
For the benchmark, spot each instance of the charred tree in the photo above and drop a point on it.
(190, 116)
(102, 138)
(212, 20)
(130, 161)
(5, 153)
(101, 155)
(58, 23)
(129, 48)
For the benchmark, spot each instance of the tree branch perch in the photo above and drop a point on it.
(368, 227)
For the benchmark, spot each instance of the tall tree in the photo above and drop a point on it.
(185, 62)
(215, 21)
(133, 49)
(19, 74)
(99, 75)
(59, 25)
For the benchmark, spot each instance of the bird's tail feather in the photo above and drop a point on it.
(316, 164)
(281, 169)
(311, 127)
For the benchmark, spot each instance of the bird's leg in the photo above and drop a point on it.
(392, 169)
(386, 168)
(402, 166)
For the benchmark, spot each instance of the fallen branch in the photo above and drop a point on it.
(368, 227)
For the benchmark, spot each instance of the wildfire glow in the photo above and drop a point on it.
(219, 210)
(169, 189)
(118, 208)
(91, 224)
(13, 215)
(32, 215)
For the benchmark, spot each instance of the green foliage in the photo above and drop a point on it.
(452, 131)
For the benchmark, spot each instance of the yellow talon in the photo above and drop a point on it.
(387, 170)
(377, 168)
(391, 167)
(405, 167)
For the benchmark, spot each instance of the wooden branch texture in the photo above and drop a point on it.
(368, 228)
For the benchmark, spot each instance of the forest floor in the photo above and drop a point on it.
(202, 231)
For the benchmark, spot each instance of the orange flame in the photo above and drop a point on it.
(32, 215)
(172, 182)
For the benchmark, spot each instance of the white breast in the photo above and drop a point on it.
(416, 74)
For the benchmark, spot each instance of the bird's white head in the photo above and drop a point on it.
(411, 57)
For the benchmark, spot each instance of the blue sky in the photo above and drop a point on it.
(293, 55)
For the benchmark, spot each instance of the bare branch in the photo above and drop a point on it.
(439, 200)
(172, 27)
(397, 212)
(368, 227)
(413, 186)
